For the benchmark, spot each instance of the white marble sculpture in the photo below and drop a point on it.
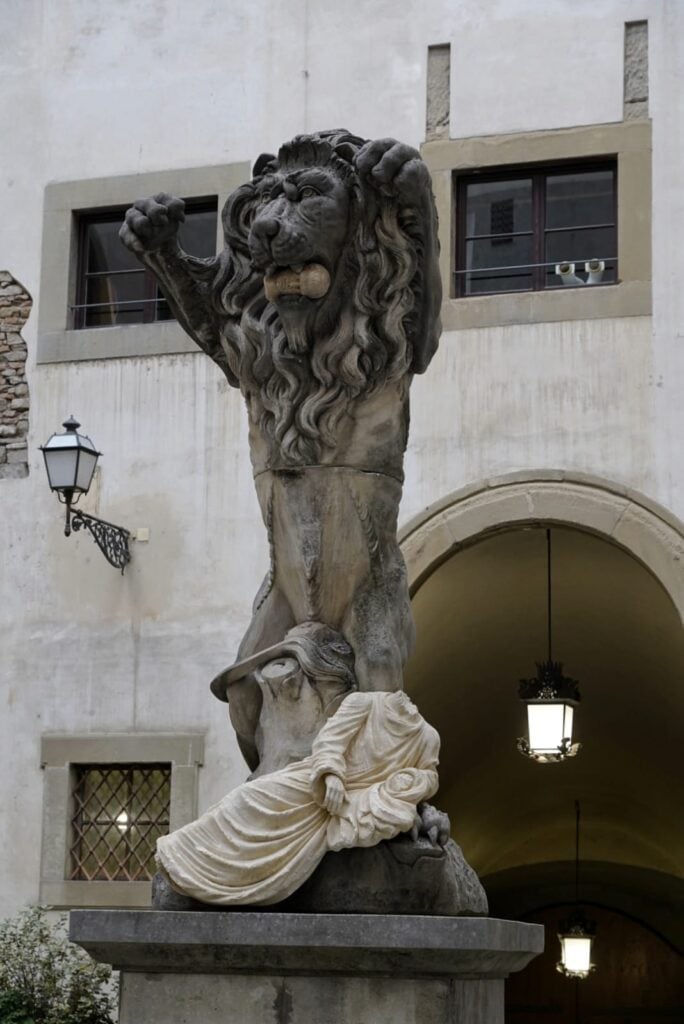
(372, 762)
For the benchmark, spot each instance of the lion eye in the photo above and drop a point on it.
(265, 197)
(308, 191)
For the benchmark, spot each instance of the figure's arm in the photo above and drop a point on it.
(150, 230)
(329, 750)
(397, 170)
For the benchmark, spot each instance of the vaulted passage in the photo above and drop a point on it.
(481, 618)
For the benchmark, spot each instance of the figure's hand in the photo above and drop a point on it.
(334, 794)
(431, 823)
(394, 168)
(150, 223)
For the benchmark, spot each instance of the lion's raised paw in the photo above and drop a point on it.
(152, 222)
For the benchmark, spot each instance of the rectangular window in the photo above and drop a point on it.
(112, 285)
(533, 229)
(119, 812)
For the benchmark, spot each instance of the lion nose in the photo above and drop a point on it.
(264, 229)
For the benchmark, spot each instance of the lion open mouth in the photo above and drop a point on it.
(312, 281)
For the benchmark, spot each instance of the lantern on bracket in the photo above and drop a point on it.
(550, 699)
(70, 461)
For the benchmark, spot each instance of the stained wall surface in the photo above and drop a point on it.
(93, 89)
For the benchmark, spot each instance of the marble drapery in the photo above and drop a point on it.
(266, 837)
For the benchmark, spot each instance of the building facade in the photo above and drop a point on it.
(554, 135)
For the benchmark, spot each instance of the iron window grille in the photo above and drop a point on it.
(119, 812)
(515, 227)
(112, 288)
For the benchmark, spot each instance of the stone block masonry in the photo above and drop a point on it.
(636, 70)
(15, 306)
(255, 967)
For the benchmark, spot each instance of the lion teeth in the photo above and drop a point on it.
(297, 267)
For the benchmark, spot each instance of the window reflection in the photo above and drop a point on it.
(113, 287)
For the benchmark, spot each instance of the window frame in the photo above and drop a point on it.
(539, 173)
(629, 142)
(60, 756)
(152, 293)
(58, 341)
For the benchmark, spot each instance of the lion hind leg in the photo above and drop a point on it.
(379, 626)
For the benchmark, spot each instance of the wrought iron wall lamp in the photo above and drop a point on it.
(70, 461)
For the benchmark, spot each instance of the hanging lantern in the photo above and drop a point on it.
(576, 935)
(551, 699)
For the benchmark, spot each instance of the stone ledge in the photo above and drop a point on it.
(254, 942)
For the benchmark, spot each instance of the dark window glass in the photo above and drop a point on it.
(492, 267)
(498, 207)
(580, 198)
(113, 287)
(514, 229)
(119, 813)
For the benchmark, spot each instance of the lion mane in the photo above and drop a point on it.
(298, 399)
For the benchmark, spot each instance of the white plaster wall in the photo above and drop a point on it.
(91, 88)
(666, 71)
(555, 64)
(573, 396)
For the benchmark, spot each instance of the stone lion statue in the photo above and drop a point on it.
(321, 306)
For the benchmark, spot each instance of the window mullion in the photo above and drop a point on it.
(461, 246)
(538, 194)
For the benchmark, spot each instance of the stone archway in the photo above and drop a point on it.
(477, 576)
(645, 529)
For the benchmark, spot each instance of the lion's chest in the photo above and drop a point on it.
(370, 434)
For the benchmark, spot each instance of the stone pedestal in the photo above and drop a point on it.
(276, 968)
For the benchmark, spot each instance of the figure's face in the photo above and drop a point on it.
(298, 235)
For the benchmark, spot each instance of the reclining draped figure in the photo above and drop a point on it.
(321, 306)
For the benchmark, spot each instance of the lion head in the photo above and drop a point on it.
(320, 279)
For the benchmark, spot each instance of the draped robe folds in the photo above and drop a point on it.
(266, 837)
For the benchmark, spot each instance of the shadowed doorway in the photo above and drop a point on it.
(481, 621)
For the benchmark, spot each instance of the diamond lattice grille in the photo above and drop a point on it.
(119, 813)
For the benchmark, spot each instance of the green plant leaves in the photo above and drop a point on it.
(45, 979)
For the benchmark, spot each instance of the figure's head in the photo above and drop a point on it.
(323, 272)
(301, 225)
(306, 206)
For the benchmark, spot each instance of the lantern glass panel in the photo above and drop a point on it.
(567, 727)
(61, 467)
(576, 953)
(546, 726)
(86, 468)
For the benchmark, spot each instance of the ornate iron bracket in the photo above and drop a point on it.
(111, 540)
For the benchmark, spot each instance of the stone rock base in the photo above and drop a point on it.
(242, 999)
(403, 876)
(275, 968)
